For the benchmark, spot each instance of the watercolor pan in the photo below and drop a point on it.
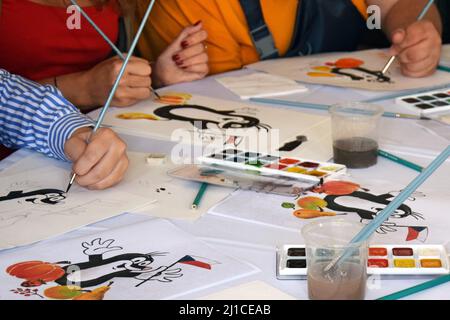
(387, 261)
(427, 102)
(269, 165)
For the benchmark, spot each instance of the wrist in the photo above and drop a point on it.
(75, 87)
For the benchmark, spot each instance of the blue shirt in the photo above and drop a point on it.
(36, 117)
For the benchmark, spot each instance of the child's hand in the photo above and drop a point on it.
(101, 163)
(418, 48)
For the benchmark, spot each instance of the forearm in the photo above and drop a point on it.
(74, 87)
(36, 117)
(399, 14)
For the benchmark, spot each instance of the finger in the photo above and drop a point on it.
(95, 150)
(126, 96)
(105, 166)
(189, 52)
(139, 67)
(135, 81)
(201, 69)
(415, 33)
(187, 32)
(115, 177)
(420, 69)
(195, 38)
(397, 37)
(198, 59)
(415, 53)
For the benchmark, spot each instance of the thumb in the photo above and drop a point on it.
(397, 38)
(77, 144)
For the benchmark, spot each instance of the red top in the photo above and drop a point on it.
(35, 41)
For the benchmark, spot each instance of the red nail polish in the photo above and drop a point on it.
(197, 23)
(185, 44)
(179, 62)
(176, 57)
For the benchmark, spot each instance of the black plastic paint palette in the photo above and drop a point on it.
(427, 102)
(272, 165)
(388, 261)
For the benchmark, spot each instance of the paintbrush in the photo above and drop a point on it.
(119, 77)
(315, 106)
(105, 37)
(420, 17)
(383, 215)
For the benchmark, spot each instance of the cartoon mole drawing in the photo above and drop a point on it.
(207, 118)
(351, 68)
(375, 202)
(42, 196)
(98, 270)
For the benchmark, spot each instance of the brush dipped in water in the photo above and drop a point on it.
(117, 82)
(383, 215)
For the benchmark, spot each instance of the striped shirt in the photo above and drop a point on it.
(36, 117)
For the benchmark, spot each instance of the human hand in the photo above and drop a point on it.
(184, 60)
(133, 87)
(101, 163)
(418, 48)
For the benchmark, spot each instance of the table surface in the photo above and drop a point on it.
(418, 141)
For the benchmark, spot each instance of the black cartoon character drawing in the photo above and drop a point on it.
(98, 270)
(42, 196)
(91, 279)
(210, 117)
(346, 197)
(351, 68)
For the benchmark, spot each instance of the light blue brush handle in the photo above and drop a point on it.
(124, 66)
(94, 25)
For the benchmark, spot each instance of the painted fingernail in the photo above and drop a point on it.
(197, 23)
(184, 44)
(179, 62)
(176, 57)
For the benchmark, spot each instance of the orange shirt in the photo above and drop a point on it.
(229, 43)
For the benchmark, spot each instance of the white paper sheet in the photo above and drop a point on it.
(34, 206)
(224, 124)
(255, 290)
(359, 70)
(260, 85)
(149, 260)
(422, 218)
(174, 197)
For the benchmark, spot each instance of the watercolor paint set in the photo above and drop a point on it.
(427, 103)
(265, 164)
(384, 260)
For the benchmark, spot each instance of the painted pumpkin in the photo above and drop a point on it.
(35, 272)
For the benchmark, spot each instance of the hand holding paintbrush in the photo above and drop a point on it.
(418, 46)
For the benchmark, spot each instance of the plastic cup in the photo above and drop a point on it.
(355, 130)
(325, 240)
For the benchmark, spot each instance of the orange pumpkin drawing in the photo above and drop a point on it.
(35, 273)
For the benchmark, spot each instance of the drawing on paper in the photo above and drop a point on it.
(40, 196)
(210, 118)
(349, 68)
(338, 198)
(99, 272)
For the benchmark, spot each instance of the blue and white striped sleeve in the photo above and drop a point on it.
(36, 117)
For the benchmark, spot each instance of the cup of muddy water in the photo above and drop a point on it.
(325, 240)
(355, 127)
